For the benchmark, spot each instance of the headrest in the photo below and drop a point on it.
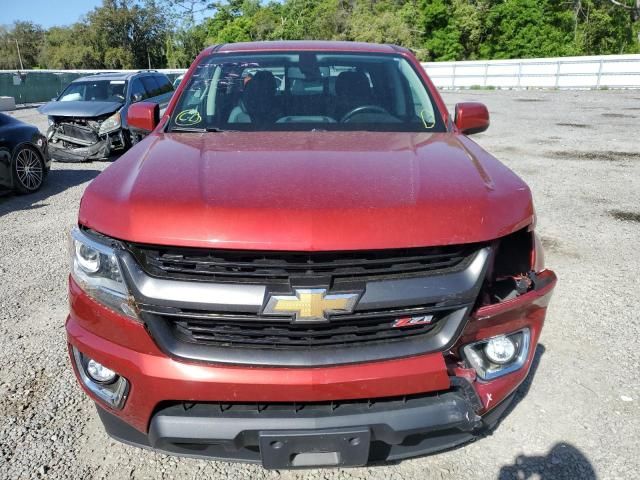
(353, 84)
(260, 91)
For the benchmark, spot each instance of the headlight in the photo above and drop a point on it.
(95, 268)
(110, 124)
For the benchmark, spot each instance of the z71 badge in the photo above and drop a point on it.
(412, 321)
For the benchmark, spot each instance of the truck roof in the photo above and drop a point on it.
(313, 45)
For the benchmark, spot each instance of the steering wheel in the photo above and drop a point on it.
(362, 109)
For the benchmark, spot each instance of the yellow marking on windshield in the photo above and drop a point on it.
(188, 117)
(424, 121)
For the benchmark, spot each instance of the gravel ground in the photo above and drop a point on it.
(578, 416)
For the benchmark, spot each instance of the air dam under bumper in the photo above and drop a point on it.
(358, 436)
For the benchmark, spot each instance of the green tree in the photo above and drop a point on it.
(139, 33)
(237, 30)
(8, 51)
(70, 47)
(603, 27)
(25, 36)
(526, 28)
(441, 37)
(183, 45)
(137, 28)
(380, 25)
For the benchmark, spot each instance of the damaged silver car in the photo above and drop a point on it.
(88, 119)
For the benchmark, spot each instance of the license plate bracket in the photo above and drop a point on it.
(315, 448)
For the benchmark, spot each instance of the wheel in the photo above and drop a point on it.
(362, 109)
(28, 170)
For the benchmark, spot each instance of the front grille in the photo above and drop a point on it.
(398, 283)
(260, 266)
(84, 134)
(232, 330)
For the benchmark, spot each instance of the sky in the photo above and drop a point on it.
(45, 12)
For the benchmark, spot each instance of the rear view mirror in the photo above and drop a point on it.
(471, 117)
(136, 97)
(143, 117)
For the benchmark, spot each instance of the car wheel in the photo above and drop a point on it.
(28, 170)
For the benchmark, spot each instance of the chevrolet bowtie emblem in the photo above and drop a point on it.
(311, 305)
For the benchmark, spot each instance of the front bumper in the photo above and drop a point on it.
(360, 435)
(96, 151)
(64, 150)
(161, 386)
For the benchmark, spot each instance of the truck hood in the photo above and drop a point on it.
(306, 191)
(79, 109)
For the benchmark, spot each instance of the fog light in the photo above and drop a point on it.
(500, 350)
(494, 357)
(99, 372)
(101, 381)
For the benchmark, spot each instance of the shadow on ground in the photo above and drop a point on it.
(56, 182)
(562, 461)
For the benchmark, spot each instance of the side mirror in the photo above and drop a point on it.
(471, 117)
(143, 117)
(136, 97)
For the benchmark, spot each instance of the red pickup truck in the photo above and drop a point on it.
(306, 262)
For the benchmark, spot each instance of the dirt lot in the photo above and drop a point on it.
(578, 416)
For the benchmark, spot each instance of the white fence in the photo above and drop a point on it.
(607, 71)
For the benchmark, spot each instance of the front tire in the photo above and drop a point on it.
(28, 170)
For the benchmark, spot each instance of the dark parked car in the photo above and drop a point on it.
(24, 160)
(88, 121)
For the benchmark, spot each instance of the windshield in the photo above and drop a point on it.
(99, 90)
(305, 91)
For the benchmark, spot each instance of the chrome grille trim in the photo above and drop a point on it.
(393, 293)
(456, 291)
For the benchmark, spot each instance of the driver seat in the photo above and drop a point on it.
(258, 104)
(352, 90)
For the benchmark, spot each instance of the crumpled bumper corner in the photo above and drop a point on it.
(96, 151)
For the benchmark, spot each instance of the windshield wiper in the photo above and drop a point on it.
(197, 129)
